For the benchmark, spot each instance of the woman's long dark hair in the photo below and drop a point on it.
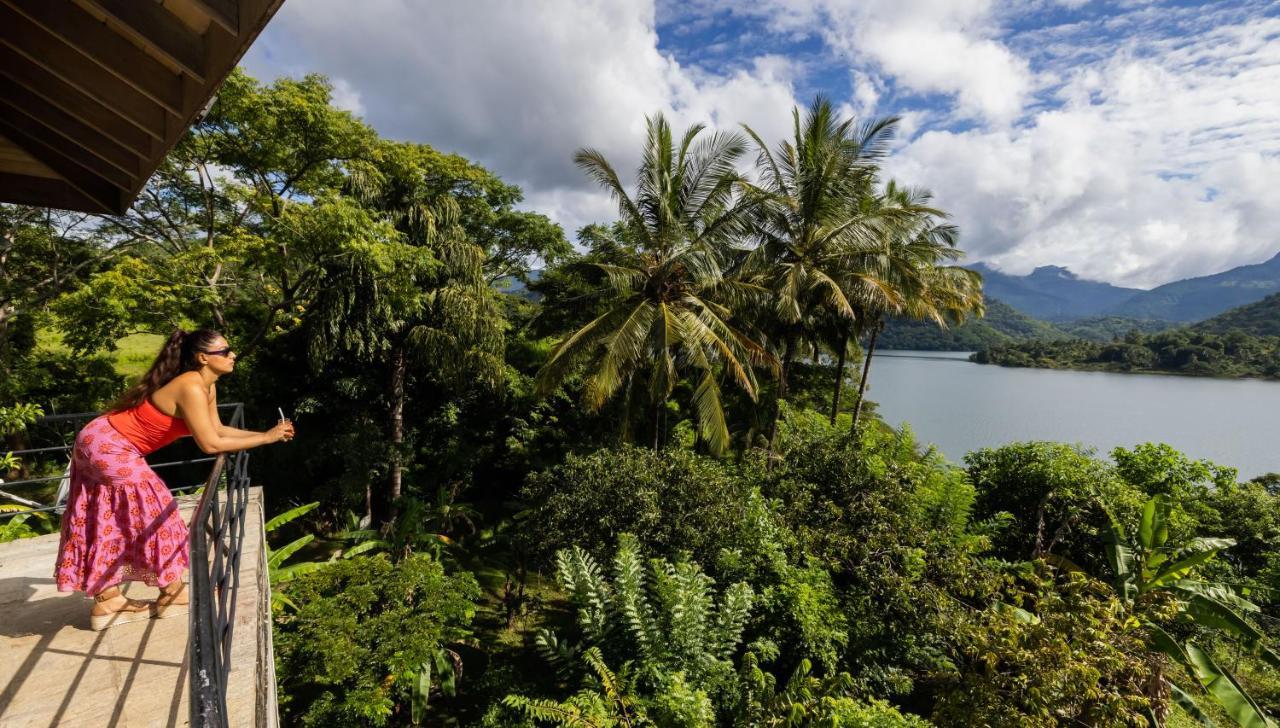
(178, 355)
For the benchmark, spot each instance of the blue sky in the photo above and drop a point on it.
(1135, 141)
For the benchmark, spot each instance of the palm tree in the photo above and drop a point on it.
(670, 305)
(917, 240)
(809, 226)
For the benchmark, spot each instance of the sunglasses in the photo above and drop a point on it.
(219, 352)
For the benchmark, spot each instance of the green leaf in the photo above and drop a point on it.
(279, 556)
(1210, 613)
(294, 570)
(1187, 588)
(1188, 704)
(1120, 555)
(290, 515)
(364, 546)
(421, 691)
(1224, 688)
(1018, 613)
(1154, 514)
(1164, 642)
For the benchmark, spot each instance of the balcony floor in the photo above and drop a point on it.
(55, 671)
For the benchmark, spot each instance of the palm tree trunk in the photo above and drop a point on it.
(657, 425)
(866, 372)
(835, 396)
(782, 394)
(398, 370)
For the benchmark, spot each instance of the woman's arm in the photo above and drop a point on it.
(193, 406)
(225, 430)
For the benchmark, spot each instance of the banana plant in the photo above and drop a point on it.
(280, 572)
(1146, 565)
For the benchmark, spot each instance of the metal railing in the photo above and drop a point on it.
(63, 428)
(217, 535)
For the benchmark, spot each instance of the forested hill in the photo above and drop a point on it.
(1002, 324)
(1186, 350)
(1259, 319)
(1196, 299)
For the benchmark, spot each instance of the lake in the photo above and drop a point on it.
(961, 406)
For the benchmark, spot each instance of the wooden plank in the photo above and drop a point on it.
(68, 127)
(149, 23)
(225, 13)
(96, 188)
(66, 97)
(16, 161)
(77, 28)
(33, 130)
(63, 61)
(46, 192)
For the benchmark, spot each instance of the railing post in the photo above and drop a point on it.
(217, 536)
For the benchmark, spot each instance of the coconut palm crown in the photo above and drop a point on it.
(670, 306)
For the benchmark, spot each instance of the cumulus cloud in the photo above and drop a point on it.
(518, 87)
(1154, 165)
(1136, 142)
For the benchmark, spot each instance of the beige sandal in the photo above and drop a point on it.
(132, 611)
(167, 605)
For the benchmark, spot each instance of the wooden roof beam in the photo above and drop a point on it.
(79, 29)
(47, 192)
(35, 131)
(58, 58)
(68, 99)
(107, 196)
(223, 12)
(149, 23)
(69, 128)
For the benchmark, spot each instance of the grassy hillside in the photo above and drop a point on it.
(1259, 319)
(133, 354)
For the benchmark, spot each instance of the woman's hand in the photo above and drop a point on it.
(282, 432)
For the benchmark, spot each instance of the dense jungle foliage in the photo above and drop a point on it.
(653, 496)
(1261, 318)
(1190, 351)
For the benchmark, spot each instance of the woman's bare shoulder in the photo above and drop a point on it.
(166, 397)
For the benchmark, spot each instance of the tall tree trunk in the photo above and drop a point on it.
(781, 395)
(398, 370)
(866, 372)
(657, 425)
(368, 502)
(835, 396)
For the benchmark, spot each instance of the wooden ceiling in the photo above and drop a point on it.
(94, 93)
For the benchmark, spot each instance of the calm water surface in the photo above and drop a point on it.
(960, 406)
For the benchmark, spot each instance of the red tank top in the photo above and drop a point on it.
(147, 427)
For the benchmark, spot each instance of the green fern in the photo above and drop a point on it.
(664, 619)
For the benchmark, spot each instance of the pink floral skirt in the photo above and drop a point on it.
(121, 523)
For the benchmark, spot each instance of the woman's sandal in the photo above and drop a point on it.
(132, 611)
(167, 605)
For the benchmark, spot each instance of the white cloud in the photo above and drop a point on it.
(947, 47)
(1138, 143)
(1161, 163)
(517, 87)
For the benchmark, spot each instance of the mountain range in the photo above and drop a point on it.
(1054, 293)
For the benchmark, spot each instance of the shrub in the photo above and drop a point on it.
(671, 501)
(352, 652)
(1051, 654)
(1056, 494)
